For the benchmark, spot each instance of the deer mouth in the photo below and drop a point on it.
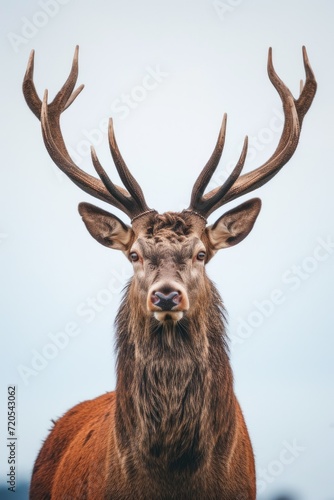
(166, 316)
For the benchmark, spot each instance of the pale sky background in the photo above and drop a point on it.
(166, 72)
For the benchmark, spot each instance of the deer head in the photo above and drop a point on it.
(168, 251)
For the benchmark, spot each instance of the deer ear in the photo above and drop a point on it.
(106, 228)
(234, 225)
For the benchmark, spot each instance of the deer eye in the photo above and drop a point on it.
(134, 256)
(201, 255)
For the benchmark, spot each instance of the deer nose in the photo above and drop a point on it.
(166, 302)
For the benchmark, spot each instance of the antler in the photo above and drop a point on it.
(235, 186)
(130, 201)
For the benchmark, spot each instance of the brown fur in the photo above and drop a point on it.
(173, 428)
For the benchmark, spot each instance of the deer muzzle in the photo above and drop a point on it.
(167, 301)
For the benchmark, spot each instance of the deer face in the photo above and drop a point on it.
(168, 263)
(169, 252)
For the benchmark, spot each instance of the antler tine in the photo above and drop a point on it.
(74, 95)
(29, 89)
(309, 89)
(294, 112)
(211, 203)
(66, 96)
(118, 192)
(207, 172)
(31, 96)
(132, 204)
(127, 178)
(301, 86)
(206, 204)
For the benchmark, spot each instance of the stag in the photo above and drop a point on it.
(173, 428)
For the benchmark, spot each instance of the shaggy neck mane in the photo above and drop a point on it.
(174, 388)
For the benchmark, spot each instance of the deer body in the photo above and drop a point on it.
(173, 428)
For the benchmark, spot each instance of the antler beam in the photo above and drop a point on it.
(132, 202)
(235, 186)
